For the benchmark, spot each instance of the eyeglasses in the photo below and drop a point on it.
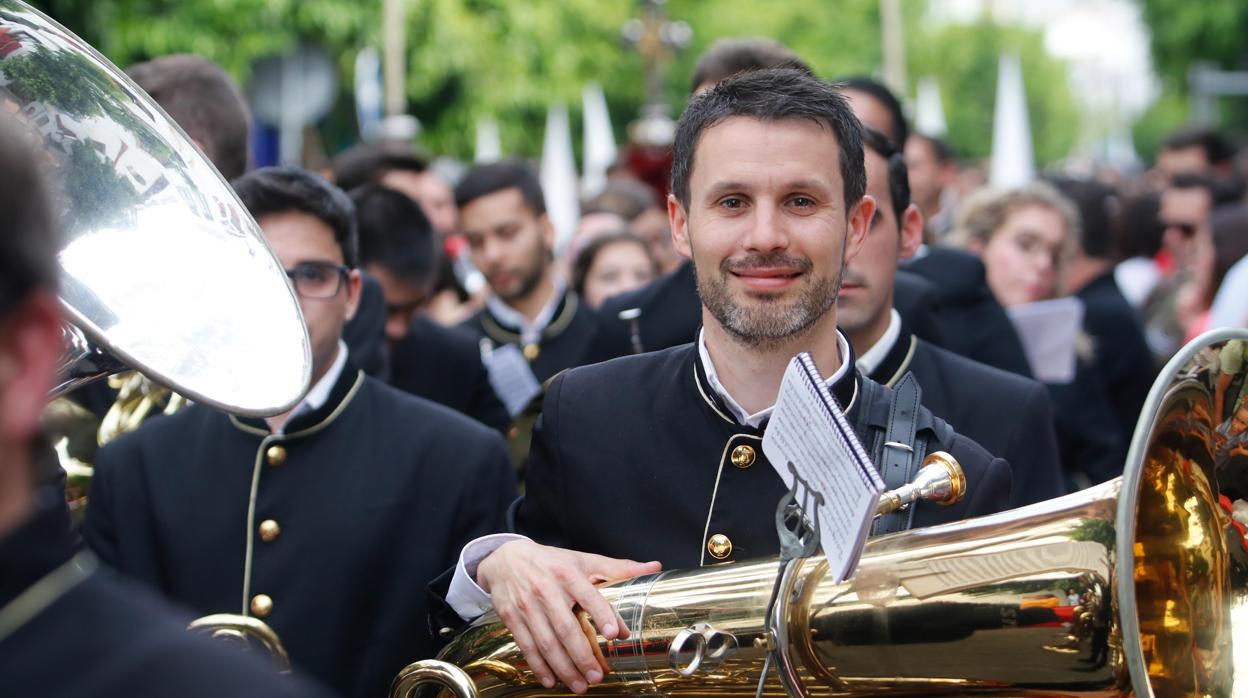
(318, 279)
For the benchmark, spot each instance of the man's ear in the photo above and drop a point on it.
(30, 347)
(911, 231)
(860, 217)
(678, 219)
(354, 283)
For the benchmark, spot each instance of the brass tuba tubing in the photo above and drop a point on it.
(233, 627)
(431, 672)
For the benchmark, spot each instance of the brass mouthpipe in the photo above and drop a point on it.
(939, 480)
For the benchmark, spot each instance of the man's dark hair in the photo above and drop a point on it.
(727, 57)
(626, 198)
(484, 180)
(1139, 229)
(941, 150)
(205, 102)
(772, 94)
(28, 237)
(885, 96)
(271, 190)
(368, 163)
(898, 175)
(1098, 205)
(395, 234)
(1217, 148)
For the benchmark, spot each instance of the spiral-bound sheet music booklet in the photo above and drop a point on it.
(809, 430)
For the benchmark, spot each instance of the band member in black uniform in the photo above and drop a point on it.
(322, 521)
(1005, 413)
(658, 456)
(68, 627)
(399, 248)
(970, 320)
(502, 215)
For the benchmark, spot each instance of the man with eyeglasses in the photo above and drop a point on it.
(1186, 203)
(327, 521)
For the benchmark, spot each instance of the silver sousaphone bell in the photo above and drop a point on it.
(162, 268)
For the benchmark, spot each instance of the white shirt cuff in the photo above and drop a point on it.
(465, 596)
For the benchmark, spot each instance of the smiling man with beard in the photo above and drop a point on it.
(658, 456)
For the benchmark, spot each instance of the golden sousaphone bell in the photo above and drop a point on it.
(1133, 587)
(162, 268)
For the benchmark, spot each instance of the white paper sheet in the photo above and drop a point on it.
(1048, 330)
(511, 377)
(808, 429)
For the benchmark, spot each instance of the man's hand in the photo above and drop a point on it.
(534, 588)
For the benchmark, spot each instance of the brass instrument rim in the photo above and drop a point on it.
(1132, 479)
(436, 672)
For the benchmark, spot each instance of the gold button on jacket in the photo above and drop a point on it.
(269, 530)
(276, 455)
(719, 546)
(261, 605)
(531, 351)
(743, 456)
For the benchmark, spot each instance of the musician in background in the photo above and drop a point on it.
(502, 215)
(68, 627)
(1005, 413)
(400, 248)
(658, 456)
(322, 521)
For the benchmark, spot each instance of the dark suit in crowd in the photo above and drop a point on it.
(972, 323)
(1122, 354)
(327, 531)
(683, 482)
(443, 364)
(916, 300)
(91, 633)
(562, 343)
(1007, 414)
(365, 333)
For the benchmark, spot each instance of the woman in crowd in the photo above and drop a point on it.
(1025, 236)
(612, 264)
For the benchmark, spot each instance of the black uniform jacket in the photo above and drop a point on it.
(563, 343)
(1007, 414)
(633, 458)
(365, 333)
(443, 364)
(95, 634)
(972, 322)
(1123, 358)
(671, 314)
(340, 522)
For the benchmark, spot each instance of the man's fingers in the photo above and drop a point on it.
(567, 627)
(524, 640)
(610, 569)
(553, 651)
(608, 621)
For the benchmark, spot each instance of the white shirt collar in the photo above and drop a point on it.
(316, 397)
(873, 357)
(530, 332)
(738, 412)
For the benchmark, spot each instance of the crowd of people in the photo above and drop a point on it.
(461, 356)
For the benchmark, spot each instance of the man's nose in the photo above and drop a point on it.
(768, 230)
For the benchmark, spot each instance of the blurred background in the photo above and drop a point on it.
(1105, 80)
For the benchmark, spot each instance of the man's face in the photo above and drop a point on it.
(403, 300)
(434, 195)
(509, 243)
(767, 226)
(1185, 216)
(870, 111)
(298, 238)
(1239, 422)
(866, 295)
(928, 176)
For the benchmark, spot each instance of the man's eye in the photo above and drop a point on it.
(802, 201)
(313, 274)
(732, 202)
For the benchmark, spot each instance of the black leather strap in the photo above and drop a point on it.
(901, 452)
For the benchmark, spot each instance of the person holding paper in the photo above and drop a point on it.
(1026, 237)
(655, 460)
(1006, 413)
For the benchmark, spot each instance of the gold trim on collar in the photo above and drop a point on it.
(709, 401)
(501, 335)
(355, 388)
(905, 363)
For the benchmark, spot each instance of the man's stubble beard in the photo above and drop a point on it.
(531, 280)
(767, 327)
